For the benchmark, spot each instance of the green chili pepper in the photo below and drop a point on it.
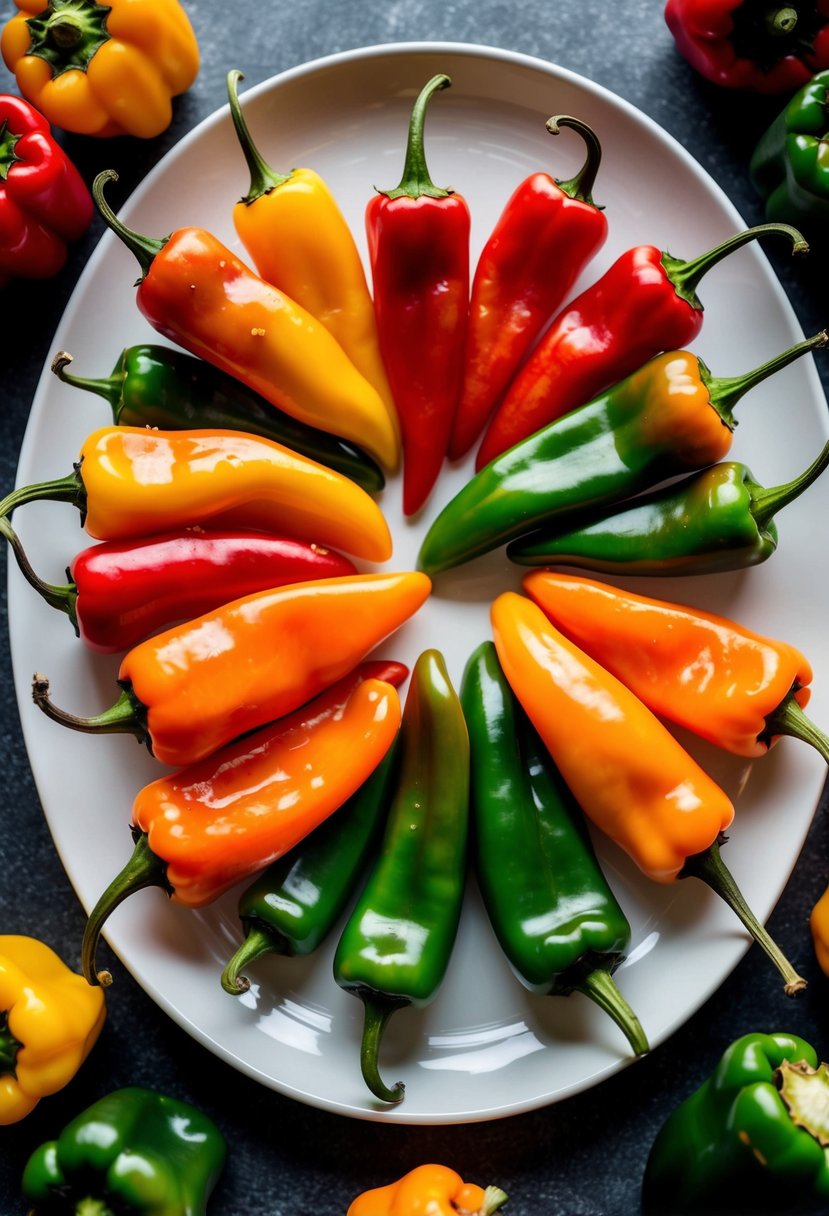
(716, 520)
(550, 905)
(751, 1139)
(157, 386)
(396, 944)
(790, 164)
(669, 417)
(133, 1151)
(295, 903)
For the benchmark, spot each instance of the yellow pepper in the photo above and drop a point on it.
(49, 1021)
(429, 1190)
(102, 69)
(819, 925)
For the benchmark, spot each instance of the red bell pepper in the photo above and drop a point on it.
(545, 236)
(758, 47)
(44, 201)
(644, 304)
(418, 242)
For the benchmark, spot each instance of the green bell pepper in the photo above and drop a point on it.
(790, 164)
(133, 1151)
(751, 1139)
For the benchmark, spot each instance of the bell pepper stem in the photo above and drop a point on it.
(92, 1206)
(710, 868)
(725, 391)
(62, 489)
(263, 179)
(108, 388)
(378, 1010)
(258, 942)
(9, 1047)
(145, 248)
(144, 869)
(124, 717)
(63, 596)
(494, 1198)
(686, 276)
(781, 22)
(581, 185)
(601, 988)
(416, 182)
(767, 501)
(790, 719)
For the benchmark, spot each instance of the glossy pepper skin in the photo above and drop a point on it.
(645, 303)
(418, 244)
(395, 947)
(621, 763)
(134, 1150)
(756, 47)
(429, 1190)
(50, 1020)
(158, 386)
(552, 909)
(131, 482)
(544, 238)
(752, 1139)
(44, 201)
(196, 686)
(668, 417)
(247, 804)
(819, 928)
(299, 240)
(102, 69)
(196, 293)
(789, 166)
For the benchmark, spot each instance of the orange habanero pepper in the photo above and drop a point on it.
(429, 1190)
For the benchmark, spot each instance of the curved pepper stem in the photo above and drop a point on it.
(601, 988)
(378, 1010)
(144, 869)
(790, 719)
(63, 597)
(145, 248)
(416, 182)
(108, 388)
(263, 178)
(766, 502)
(710, 868)
(686, 276)
(258, 942)
(725, 391)
(581, 185)
(125, 717)
(62, 489)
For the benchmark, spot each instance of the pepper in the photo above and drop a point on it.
(718, 519)
(668, 417)
(198, 685)
(435, 1190)
(49, 1022)
(629, 775)
(134, 1150)
(728, 684)
(133, 482)
(418, 244)
(195, 292)
(294, 904)
(44, 201)
(751, 1139)
(299, 240)
(239, 809)
(819, 927)
(396, 945)
(788, 165)
(164, 388)
(645, 303)
(553, 912)
(752, 45)
(102, 69)
(547, 233)
(123, 591)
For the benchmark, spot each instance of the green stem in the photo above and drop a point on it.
(9, 1047)
(259, 941)
(62, 489)
(62, 596)
(726, 391)
(109, 389)
(790, 719)
(416, 182)
(125, 717)
(686, 276)
(600, 987)
(580, 186)
(91, 1206)
(494, 1198)
(263, 178)
(145, 248)
(766, 502)
(378, 1010)
(781, 22)
(710, 868)
(144, 869)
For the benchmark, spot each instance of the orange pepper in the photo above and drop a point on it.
(819, 926)
(428, 1190)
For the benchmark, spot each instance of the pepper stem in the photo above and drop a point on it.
(9, 1047)
(600, 987)
(580, 186)
(109, 388)
(145, 248)
(144, 869)
(766, 502)
(378, 1010)
(790, 719)
(125, 717)
(686, 276)
(63, 597)
(710, 868)
(781, 22)
(258, 941)
(725, 391)
(62, 489)
(263, 179)
(494, 1198)
(416, 182)
(90, 1205)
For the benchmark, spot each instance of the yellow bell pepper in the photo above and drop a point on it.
(49, 1021)
(102, 69)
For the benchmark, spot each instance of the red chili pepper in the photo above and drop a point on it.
(644, 304)
(545, 236)
(418, 241)
(44, 201)
(759, 47)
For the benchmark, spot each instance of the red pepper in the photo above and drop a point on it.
(644, 304)
(745, 44)
(44, 202)
(545, 236)
(418, 241)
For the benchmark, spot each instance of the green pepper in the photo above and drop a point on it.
(157, 386)
(751, 1139)
(133, 1151)
(294, 904)
(396, 945)
(790, 164)
(669, 417)
(716, 520)
(553, 912)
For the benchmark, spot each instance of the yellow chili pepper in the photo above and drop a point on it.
(429, 1190)
(819, 925)
(49, 1021)
(102, 69)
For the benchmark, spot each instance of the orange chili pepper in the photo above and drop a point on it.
(819, 926)
(631, 777)
(429, 1190)
(193, 688)
(731, 686)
